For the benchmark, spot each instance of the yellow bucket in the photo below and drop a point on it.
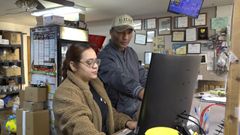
(161, 131)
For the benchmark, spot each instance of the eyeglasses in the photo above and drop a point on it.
(91, 62)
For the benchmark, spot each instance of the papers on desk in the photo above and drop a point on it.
(213, 99)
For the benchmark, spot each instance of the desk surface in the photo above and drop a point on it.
(216, 114)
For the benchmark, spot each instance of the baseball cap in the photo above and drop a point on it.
(122, 23)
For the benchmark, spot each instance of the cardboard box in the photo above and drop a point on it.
(39, 20)
(14, 55)
(3, 130)
(14, 38)
(35, 94)
(21, 96)
(11, 71)
(53, 20)
(82, 17)
(33, 123)
(5, 41)
(33, 106)
(10, 54)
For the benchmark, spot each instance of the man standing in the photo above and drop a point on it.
(124, 78)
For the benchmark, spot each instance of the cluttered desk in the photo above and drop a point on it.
(209, 108)
(210, 114)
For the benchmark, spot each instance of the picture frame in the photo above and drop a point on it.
(140, 38)
(158, 44)
(194, 48)
(203, 58)
(150, 35)
(179, 48)
(191, 34)
(137, 24)
(181, 22)
(150, 23)
(178, 36)
(147, 57)
(201, 20)
(202, 33)
(164, 25)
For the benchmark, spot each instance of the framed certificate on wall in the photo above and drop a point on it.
(191, 34)
(137, 24)
(201, 20)
(164, 25)
(194, 48)
(150, 35)
(179, 49)
(150, 23)
(140, 37)
(181, 22)
(178, 36)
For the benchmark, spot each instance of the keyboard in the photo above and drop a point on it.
(126, 132)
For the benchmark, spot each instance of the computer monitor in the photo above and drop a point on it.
(185, 7)
(169, 90)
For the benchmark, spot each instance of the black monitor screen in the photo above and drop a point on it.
(185, 7)
(169, 90)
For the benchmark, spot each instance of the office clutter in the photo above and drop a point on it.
(206, 109)
(221, 47)
(8, 106)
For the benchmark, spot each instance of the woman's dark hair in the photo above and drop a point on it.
(74, 53)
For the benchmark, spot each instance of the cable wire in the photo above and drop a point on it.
(200, 128)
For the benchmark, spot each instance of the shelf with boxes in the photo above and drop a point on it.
(11, 67)
(11, 59)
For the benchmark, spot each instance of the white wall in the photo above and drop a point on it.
(223, 11)
(103, 27)
(24, 29)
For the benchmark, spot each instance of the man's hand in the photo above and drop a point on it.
(131, 124)
(140, 94)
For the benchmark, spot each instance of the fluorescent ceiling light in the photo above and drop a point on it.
(58, 11)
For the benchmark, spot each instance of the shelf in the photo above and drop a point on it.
(8, 93)
(10, 46)
(9, 61)
(10, 77)
(15, 43)
(6, 108)
(44, 73)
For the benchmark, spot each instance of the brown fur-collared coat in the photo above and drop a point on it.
(77, 113)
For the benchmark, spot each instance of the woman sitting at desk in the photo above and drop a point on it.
(81, 105)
